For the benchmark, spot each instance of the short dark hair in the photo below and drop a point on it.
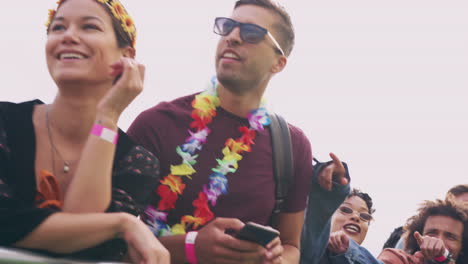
(284, 28)
(458, 190)
(394, 237)
(435, 208)
(364, 196)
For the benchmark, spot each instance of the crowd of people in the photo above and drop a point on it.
(190, 173)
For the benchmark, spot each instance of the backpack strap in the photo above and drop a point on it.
(282, 162)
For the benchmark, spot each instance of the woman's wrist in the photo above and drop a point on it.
(125, 223)
(105, 133)
(107, 117)
(105, 127)
(107, 120)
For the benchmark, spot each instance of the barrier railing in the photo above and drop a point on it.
(16, 256)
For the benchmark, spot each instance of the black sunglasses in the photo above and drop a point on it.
(347, 211)
(250, 33)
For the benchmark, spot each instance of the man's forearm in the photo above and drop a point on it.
(176, 247)
(291, 254)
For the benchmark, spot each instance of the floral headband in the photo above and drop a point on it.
(117, 10)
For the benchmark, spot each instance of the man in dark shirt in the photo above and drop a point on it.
(220, 173)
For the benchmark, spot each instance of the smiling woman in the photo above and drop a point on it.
(103, 40)
(353, 216)
(349, 226)
(71, 183)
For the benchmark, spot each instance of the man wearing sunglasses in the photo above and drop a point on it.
(254, 44)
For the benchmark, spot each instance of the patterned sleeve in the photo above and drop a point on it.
(133, 179)
(136, 176)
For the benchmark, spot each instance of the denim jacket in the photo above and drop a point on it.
(321, 205)
(317, 224)
(354, 255)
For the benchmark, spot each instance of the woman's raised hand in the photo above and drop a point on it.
(130, 75)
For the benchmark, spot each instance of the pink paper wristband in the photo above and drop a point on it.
(443, 257)
(105, 133)
(190, 247)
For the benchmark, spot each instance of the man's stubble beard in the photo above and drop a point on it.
(237, 85)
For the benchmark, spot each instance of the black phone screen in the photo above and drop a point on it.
(257, 233)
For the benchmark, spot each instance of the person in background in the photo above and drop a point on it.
(349, 226)
(458, 194)
(71, 183)
(394, 238)
(436, 234)
(326, 193)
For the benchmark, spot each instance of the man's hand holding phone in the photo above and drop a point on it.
(257, 233)
(265, 236)
(216, 244)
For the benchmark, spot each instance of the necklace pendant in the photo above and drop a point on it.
(66, 167)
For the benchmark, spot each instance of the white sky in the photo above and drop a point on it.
(383, 84)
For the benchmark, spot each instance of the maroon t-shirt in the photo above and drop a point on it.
(250, 189)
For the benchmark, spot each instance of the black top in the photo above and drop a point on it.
(135, 174)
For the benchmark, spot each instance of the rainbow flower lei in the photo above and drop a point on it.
(172, 186)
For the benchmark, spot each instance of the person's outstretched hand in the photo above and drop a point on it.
(431, 247)
(338, 242)
(335, 171)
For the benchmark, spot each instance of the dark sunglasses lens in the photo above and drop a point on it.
(252, 33)
(224, 26)
(346, 210)
(365, 217)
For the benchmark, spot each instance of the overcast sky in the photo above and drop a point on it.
(383, 84)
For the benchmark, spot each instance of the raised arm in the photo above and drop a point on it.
(321, 205)
(90, 189)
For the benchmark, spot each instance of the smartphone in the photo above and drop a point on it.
(257, 233)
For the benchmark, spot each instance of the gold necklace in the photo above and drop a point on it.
(66, 164)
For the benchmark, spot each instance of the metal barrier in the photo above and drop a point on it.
(17, 256)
